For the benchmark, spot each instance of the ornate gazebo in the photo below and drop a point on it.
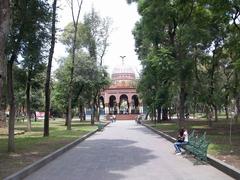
(121, 96)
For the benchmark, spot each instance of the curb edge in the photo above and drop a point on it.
(46, 159)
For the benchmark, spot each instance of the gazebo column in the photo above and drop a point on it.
(140, 108)
(130, 109)
(118, 108)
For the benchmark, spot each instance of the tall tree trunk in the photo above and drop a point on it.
(182, 103)
(159, 113)
(80, 104)
(236, 95)
(80, 111)
(10, 87)
(237, 108)
(154, 115)
(194, 108)
(35, 116)
(226, 104)
(97, 113)
(93, 114)
(28, 100)
(209, 115)
(146, 117)
(4, 29)
(48, 75)
(97, 105)
(23, 109)
(98, 109)
(11, 100)
(75, 24)
(165, 114)
(69, 118)
(212, 81)
(84, 114)
(215, 113)
(226, 112)
(66, 117)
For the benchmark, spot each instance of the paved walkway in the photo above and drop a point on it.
(125, 150)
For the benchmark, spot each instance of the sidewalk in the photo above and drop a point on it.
(125, 150)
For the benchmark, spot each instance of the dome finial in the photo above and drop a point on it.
(122, 59)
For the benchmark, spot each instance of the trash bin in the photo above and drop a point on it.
(100, 126)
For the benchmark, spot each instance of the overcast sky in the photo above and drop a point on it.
(124, 17)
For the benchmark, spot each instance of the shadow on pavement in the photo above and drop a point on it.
(111, 158)
(101, 159)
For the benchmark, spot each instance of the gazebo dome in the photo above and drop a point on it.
(123, 77)
(123, 72)
(123, 69)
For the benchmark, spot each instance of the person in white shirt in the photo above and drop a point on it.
(182, 140)
(114, 118)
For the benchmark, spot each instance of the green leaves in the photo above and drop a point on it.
(181, 45)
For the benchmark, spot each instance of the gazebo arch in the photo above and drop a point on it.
(123, 104)
(112, 105)
(101, 105)
(134, 104)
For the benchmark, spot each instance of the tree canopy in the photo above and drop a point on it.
(187, 60)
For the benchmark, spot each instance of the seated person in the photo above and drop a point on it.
(181, 140)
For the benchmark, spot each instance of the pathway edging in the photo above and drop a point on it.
(224, 167)
(40, 163)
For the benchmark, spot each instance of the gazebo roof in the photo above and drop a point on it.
(123, 72)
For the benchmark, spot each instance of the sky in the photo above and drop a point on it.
(121, 40)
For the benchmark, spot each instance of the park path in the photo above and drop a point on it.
(125, 150)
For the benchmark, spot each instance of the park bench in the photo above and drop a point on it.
(197, 145)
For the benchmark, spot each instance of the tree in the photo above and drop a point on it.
(25, 17)
(60, 92)
(195, 35)
(4, 26)
(34, 49)
(91, 35)
(73, 48)
(16, 36)
(20, 89)
(84, 83)
(233, 47)
(97, 32)
(166, 30)
(49, 67)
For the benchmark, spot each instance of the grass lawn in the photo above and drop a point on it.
(32, 146)
(218, 136)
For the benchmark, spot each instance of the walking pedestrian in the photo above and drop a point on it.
(111, 119)
(114, 118)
